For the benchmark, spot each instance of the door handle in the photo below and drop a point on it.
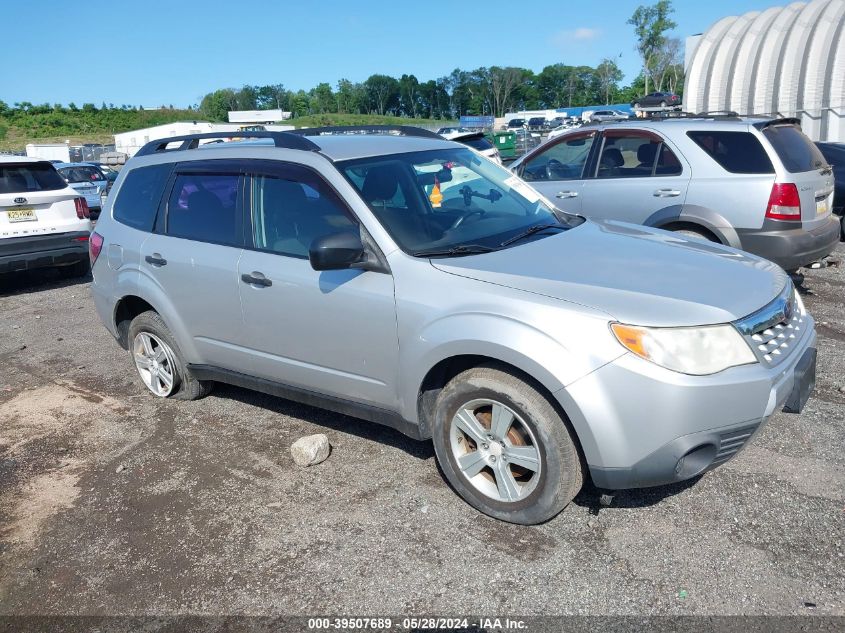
(256, 279)
(566, 194)
(667, 193)
(156, 260)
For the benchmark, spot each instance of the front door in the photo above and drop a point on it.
(331, 332)
(556, 169)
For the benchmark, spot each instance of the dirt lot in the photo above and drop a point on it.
(113, 502)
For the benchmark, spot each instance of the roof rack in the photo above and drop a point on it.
(401, 130)
(191, 141)
(712, 114)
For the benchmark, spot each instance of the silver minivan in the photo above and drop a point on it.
(755, 184)
(404, 279)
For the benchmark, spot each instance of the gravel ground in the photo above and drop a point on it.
(113, 502)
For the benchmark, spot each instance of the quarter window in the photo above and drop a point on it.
(562, 161)
(736, 152)
(292, 208)
(139, 196)
(204, 207)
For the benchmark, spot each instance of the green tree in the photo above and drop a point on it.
(608, 75)
(409, 95)
(215, 105)
(650, 25)
(383, 93)
(323, 99)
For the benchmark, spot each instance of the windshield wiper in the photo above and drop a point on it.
(531, 230)
(455, 251)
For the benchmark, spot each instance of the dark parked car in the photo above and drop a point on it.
(834, 153)
(515, 124)
(655, 99)
(536, 123)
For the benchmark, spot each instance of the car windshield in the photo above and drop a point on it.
(449, 202)
(81, 173)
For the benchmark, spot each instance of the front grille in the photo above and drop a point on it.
(731, 442)
(773, 344)
(774, 330)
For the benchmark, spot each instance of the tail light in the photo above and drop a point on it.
(95, 245)
(82, 210)
(784, 202)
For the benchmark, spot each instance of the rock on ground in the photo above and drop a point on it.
(310, 450)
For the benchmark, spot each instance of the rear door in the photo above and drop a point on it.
(193, 257)
(807, 168)
(638, 175)
(34, 200)
(556, 169)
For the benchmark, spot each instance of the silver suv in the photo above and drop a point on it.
(403, 279)
(755, 184)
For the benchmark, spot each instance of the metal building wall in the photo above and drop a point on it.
(786, 61)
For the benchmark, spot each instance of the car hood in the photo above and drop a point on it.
(634, 274)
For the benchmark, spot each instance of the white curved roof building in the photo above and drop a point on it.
(787, 61)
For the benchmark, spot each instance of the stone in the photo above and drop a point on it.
(310, 450)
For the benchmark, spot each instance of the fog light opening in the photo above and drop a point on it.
(696, 461)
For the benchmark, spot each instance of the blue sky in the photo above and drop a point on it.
(152, 52)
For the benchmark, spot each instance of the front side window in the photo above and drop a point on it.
(562, 161)
(204, 207)
(292, 208)
(450, 201)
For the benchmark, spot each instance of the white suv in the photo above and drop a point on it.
(43, 222)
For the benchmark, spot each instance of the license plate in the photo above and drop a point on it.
(21, 214)
(821, 207)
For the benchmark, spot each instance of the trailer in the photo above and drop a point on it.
(49, 151)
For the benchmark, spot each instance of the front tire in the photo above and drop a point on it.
(504, 448)
(159, 362)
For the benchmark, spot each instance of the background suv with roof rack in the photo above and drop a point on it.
(757, 184)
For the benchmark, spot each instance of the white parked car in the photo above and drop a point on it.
(476, 141)
(44, 223)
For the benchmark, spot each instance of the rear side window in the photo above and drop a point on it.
(736, 152)
(139, 196)
(29, 177)
(796, 151)
(81, 173)
(204, 207)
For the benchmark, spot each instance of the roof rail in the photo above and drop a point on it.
(714, 114)
(192, 141)
(401, 130)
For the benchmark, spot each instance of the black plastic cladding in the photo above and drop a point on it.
(287, 140)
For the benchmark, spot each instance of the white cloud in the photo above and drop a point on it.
(584, 33)
(563, 39)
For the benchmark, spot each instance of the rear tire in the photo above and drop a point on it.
(159, 361)
(693, 233)
(504, 448)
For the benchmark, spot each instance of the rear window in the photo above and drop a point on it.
(480, 143)
(29, 177)
(736, 152)
(796, 151)
(81, 173)
(139, 196)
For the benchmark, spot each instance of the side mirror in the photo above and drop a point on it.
(337, 251)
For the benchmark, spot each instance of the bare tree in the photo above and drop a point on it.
(665, 62)
(503, 82)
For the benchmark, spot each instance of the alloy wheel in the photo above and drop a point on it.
(155, 363)
(495, 450)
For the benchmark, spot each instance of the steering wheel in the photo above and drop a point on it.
(553, 169)
(460, 219)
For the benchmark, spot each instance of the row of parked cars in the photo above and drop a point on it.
(409, 281)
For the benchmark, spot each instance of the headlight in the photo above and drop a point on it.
(690, 350)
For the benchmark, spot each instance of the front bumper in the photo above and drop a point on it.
(791, 248)
(641, 425)
(43, 251)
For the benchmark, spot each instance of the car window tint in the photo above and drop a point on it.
(667, 163)
(479, 143)
(29, 177)
(797, 152)
(292, 209)
(203, 207)
(561, 161)
(736, 152)
(81, 173)
(139, 196)
(628, 156)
